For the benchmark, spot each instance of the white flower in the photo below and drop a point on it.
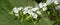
(16, 14)
(33, 15)
(25, 10)
(38, 12)
(30, 12)
(35, 8)
(15, 10)
(44, 9)
(56, 2)
(20, 8)
(41, 5)
(44, 4)
(29, 7)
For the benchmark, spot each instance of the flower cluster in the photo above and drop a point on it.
(35, 13)
(43, 6)
(30, 10)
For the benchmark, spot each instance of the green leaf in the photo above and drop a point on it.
(45, 21)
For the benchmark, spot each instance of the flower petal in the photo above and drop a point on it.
(15, 10)
(20, 8)
(35, 8)
(24, 12)
(56, 2)
(33, 15)
(44, 9)
(38, 12)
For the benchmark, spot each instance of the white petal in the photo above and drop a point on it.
(27, 8)
(41, 5)
(38, 12)
(33, 15)
(24, 12)
(20, 8)
(15, 10)
(56, 2)
(44, 4)
(35, 8)
(30, 12)
(44, 9)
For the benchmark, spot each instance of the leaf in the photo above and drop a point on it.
(45, 21)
